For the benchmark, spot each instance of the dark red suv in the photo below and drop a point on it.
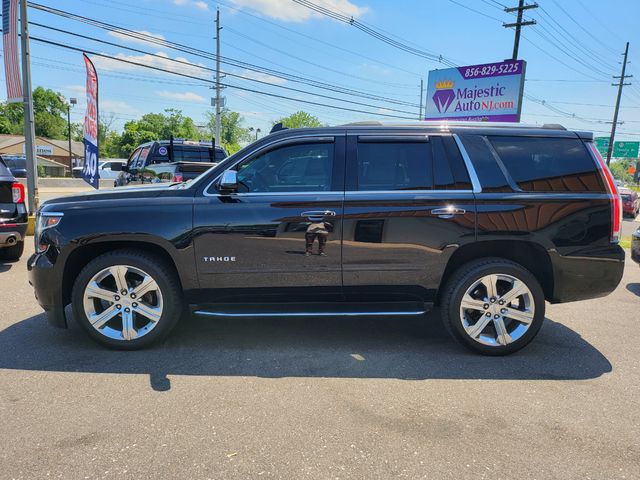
(630, 202)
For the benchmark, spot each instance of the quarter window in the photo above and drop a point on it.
(539, 164)
(294, 168)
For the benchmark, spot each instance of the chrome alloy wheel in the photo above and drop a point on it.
(497, 309)
(122, 302)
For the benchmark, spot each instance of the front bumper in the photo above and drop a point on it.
(635, 246)
(44, 279)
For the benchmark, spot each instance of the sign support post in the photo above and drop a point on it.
(29, 127)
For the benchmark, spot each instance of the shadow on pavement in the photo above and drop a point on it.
(400, 348)
(634, 288)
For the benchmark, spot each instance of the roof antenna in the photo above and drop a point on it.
(277, 127)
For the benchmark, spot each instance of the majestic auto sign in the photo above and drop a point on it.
(489, 92)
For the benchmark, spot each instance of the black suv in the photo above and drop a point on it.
(487, 221)
(168, 161)
(13, 215)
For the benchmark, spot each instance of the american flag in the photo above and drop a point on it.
(10, 50)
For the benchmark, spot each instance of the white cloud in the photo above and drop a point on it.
(201, 4)
(181, 96)
(162, 61)
(118, 106)
(263, 77)
(131, 39)
(292, 12)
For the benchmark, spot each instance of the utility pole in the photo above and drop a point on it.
(29, 127)
(218, 28)
(620, 84)
(421, 96)
(519, 23)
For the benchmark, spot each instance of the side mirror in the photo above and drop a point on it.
(117, 167)
(229, 180)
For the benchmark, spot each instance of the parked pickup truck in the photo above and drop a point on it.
(168, 161)
(486, 221)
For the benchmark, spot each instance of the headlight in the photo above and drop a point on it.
(45, 220)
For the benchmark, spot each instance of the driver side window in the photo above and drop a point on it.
(294, 168)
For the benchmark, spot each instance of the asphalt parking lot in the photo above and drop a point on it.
(322, 398)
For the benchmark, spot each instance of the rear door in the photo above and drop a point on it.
(409, 203)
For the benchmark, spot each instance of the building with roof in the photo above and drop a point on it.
(47, 148)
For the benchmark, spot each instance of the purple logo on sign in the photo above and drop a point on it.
(444, 95)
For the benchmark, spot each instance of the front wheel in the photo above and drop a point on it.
(493, 306)
(127, 299)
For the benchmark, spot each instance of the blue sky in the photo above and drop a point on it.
(569, 60)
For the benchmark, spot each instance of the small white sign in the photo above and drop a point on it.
(40, 149)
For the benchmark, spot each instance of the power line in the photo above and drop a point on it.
(375, 33)
(202, 54)
(50, 42)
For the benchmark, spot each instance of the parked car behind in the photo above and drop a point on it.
(486, 221)
(17, 164)
(104, 167)
(635, 246)
(150, 162)
(630, 202)
(13, 215)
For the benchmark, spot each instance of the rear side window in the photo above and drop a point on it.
(539, 164)
(411, 165)
(191, 154)
(395, 166)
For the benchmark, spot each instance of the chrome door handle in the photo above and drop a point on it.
(318, 215)
(448, 212)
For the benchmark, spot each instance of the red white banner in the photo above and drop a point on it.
(90, 171)
(10, 50)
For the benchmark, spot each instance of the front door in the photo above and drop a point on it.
(278, 237)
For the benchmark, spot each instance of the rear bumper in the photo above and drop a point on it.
(45, 281)
(584, 277)
(10, 233)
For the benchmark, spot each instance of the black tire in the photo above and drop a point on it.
(157, 268)
(12, 254)
(463, 278)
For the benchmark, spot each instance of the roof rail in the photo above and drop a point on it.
(453, 123)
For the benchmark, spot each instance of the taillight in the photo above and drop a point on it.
(17, 192)
(177, 177)
(614, 197)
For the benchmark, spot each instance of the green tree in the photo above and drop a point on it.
(232, 133)
(49, 115)
(300, 119)
(619, 168)
(151, 126)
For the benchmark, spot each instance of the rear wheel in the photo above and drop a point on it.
(13, 253)
(127, 299)
(493, 306)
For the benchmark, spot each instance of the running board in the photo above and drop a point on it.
(207, 313)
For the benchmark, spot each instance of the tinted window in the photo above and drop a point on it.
(187, 153)
(548, 164)
(491, 177)
(295, 168)
(394, 165)
(405, 165)
(626, 197)
(133, 158)
(220, 155)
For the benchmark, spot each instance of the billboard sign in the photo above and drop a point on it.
(90, 172)
(491, 92)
